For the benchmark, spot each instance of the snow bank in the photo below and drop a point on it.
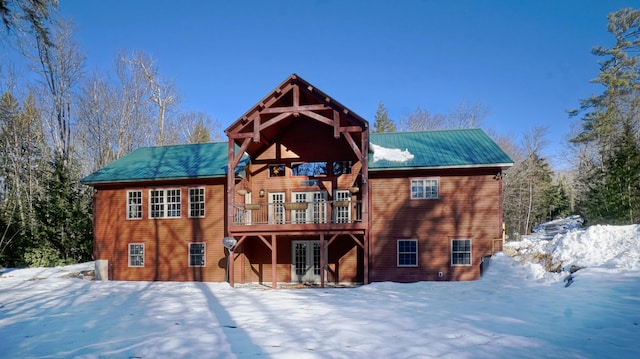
(390, 154)
(561, 244)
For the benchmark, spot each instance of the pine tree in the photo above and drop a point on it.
(382, 122)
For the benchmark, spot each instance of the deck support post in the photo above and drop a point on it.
(230, 268)
(322, 260)
(274, 261)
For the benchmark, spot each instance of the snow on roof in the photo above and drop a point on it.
(390, 154)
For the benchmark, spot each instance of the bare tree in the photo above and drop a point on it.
(60, 66)
(161, 92)
(198, 127)
(466, 115)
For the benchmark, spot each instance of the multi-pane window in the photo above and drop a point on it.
(460, 252)
(164, 203)
(341, 168)
(136, 254)
(134, 204)
(197, 254)
(196, 202)
(407, 252)
(424, 188)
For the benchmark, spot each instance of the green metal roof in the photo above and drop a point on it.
(438, 149)
(206, 160)
(430, 149)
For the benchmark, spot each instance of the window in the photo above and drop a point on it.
(134, 204)
(196, 202)
(136, 255)
(276, 170)
(426, 188)
(310, 169)
(407, 253)
(197, 254)
(164, 203)
(341, 168)
(461, 252)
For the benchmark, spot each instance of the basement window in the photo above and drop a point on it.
(407, 253)
(197, 256)
(136, 254)
(461, 252)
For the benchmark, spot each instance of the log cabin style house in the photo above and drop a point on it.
(302, 192)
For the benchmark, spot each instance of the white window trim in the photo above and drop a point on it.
(128, 212)
(470, 252)
(203, 254)
(398, 253)
(437, 179)
(204, 201)
(165, 203)
(129, 255)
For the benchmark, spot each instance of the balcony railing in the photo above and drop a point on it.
(334, 212)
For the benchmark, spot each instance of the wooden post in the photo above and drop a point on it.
(322, 260)
(274, 261)
(230, 268)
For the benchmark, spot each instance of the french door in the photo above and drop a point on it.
(316, 211)
(276, 208)
(305, 261)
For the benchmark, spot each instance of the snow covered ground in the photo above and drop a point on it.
(515, 310)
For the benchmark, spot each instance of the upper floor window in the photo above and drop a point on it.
(196, 202)
(277, 170)
(164, 203)
(341, 168)
(134, 204)
(310, 169)
(460, 252)
(424, 188)
(407, 253)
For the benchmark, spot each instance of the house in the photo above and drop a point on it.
(302, 192)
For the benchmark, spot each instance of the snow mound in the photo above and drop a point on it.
(615, 247)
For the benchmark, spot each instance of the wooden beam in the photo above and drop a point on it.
(256, 129)
(356, 240)
(275, 120)
(296, 96)
(236, 159)
(332, 239)
(264, 240)
(353, 144)
(351, 129)
(336, 124)
(298, 108)
(318, 117)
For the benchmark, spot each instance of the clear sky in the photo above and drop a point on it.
(527, 61)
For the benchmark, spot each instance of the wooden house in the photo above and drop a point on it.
(302, 192)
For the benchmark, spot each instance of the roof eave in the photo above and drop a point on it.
(484, 165)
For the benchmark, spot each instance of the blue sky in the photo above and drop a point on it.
(527, 61)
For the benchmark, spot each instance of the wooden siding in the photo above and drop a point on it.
(166, 240)
(467, 208)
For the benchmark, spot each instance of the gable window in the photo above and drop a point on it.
(197, 254)
(134, 204)
(460, 252)
(196, 202)
(407, 253)
(310, 169)
(424, 188)
(164, 203)
(136, 254)
(341, 168)
(276, 170)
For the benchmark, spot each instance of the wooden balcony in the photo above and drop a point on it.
(298, 216)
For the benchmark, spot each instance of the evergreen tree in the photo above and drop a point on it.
(608, 125)
(382, 122)
(65, 225)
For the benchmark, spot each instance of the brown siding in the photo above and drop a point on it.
(467, 208)
(166, 240)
